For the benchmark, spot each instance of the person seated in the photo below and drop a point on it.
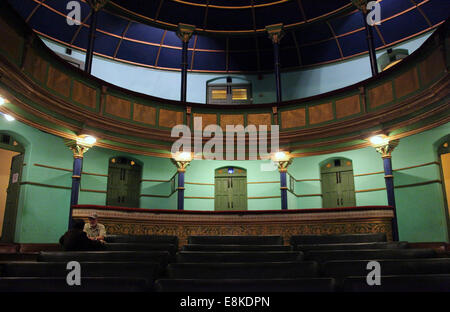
(76, 239)
(95, 230)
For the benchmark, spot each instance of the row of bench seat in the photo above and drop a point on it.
(232, 263)
(409, 283)
(310, 263)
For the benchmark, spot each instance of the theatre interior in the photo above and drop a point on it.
(313, 145)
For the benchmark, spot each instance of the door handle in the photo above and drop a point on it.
(231, 205)
(342, 201)
(338, 201)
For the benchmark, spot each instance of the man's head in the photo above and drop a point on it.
(93, 219)
(78, 224)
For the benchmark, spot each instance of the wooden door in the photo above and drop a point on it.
(124, 181)
(338, 187)
(12, 199)
(230, 189)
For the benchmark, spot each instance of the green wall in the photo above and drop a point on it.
(43, 209)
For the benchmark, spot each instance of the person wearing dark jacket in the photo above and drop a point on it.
(76, 239)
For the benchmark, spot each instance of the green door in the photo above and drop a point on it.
(230, 189)
(124, 182)
(12, 199)
(338, 187)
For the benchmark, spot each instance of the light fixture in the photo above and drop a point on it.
(182, 156)
(2, 101)
(280, 156)
(379, 140)
(9, 117)
(86, 139)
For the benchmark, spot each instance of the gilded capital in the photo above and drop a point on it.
(78, 146)
(283, 165)
(185, 31)
(386, 149)
(275, 32)
(97, 5)
(181, 165)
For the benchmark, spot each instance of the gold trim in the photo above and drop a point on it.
(46, 185)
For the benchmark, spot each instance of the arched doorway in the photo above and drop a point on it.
(338, 186)
(230, 189)
(124, 182)
(443, 152)
(12, 156)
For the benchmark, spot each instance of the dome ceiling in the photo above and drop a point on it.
(230, 34)
(230, 16)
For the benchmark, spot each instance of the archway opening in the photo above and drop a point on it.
(12, 156)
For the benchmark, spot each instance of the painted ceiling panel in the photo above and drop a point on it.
(232, 29)
(138, 52)
(403, 26)
(145, 33)
(247, 60)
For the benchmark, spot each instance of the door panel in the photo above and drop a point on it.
(338, 186)
(221, 194)
(329, 190)
(124, 183)
(12, 199)
(230, 190)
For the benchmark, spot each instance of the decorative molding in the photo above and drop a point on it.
(183, 225)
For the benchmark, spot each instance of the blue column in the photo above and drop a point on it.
(389, 179)
(180, 190)
(283, 188)
(184, 67)
(76, 179)
(277, 65)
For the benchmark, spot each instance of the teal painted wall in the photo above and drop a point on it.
(202, 171)
(295, 84)
(43, 211)
(420, 209)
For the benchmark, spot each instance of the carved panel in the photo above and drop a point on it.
(145, 114)
(169, 118)
(348, 106)
(232, 120)
(36, 66)
(293, 118)
(260, 120)
(207, 119)
(286, 230)
(381, 95)
(58, 81)
(117, 106)
(431, 67)
(84, 94)
(406, 83)
(320, 113)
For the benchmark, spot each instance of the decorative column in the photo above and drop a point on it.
(362, 6)
(184, 32)
(181, 160)
(385, 149)
(96, 5)
(79, 147)
(283, 160)
(276, 33)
